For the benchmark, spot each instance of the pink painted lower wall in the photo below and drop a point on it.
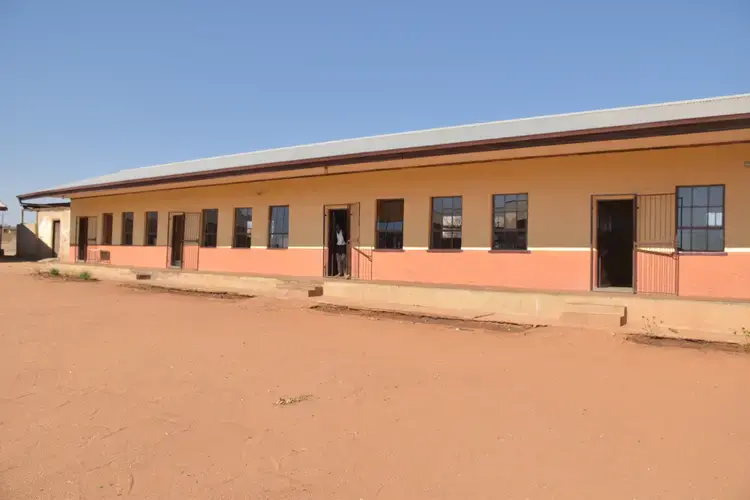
(283, 262)
(537, 270)
(545, 270)
(134, 256)
(715, 276)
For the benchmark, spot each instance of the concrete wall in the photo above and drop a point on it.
(45, 223)
(559, 189)
(28, 246)
(34, 241)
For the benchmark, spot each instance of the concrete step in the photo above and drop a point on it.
(594, 315)
(298, 289)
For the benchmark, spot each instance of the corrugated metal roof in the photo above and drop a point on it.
(507, 129)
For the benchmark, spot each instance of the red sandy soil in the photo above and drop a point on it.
(108, 391)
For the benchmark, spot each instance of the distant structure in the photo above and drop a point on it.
(3, 209)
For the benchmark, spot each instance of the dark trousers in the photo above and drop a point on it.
(341, 261)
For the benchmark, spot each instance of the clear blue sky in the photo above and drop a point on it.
(89, 87)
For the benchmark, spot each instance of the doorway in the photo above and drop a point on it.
(177, 238)
(339, 257)
(56, 238)
(615, 239)
(83, 238)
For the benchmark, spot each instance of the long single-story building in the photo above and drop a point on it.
(649, 199)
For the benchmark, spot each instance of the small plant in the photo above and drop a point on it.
(85, 276)
(286, 401)
(745, 332)
(54, 272)
(651, 326)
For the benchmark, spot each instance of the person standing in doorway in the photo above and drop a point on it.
(340, 252)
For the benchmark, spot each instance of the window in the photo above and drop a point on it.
(210, 227)
(510, 221)
(127, 228)
(243, 227)
(700, 218)
(446, 223)
(389, 228)
(106, 229)
(278, 227)
(152, 227)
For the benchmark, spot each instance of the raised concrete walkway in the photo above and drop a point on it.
(617, 312)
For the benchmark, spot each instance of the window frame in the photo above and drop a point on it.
(236, 233)
(431, 246)
(124, 229)
(493, 213)
(204, 221)
(722, 228)
(377, 220)
(146, 233)
(108, 240)
(272, 234)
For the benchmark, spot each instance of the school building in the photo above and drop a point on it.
(649, 199)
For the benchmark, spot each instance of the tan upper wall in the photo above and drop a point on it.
(559, 189)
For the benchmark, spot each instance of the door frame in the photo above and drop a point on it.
(170, 240)
(594, 263)
(326, 229)
(81, 239)
(56, 237)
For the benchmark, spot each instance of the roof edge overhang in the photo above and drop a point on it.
(653, 129)
(44, 206)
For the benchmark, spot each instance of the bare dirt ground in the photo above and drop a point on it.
(110, 392)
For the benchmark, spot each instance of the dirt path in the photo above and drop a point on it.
(106, 391)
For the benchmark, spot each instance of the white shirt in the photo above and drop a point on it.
(340, 238)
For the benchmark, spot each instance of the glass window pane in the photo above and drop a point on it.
(499, 202)
(716, 240)
(700, 196)
(700, 217)
(457, 202)
(684, 197)
(683, 239)
(685, 217)
(699, 240)
(510, 220)
(716, 195)
(715, 218)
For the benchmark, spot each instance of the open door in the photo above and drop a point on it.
(614, 243)
(353, 248)
(191, 241)
(56, 238)
(175, 236)
(82, 231)
(91, 240)
(656, 256)
(326, 253)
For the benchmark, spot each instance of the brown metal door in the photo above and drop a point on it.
(91, 255)
(56, 238)
(191, 241)
(81, 238)
(326, 255)
(656, 257)
(353, 248)
(175, 238)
